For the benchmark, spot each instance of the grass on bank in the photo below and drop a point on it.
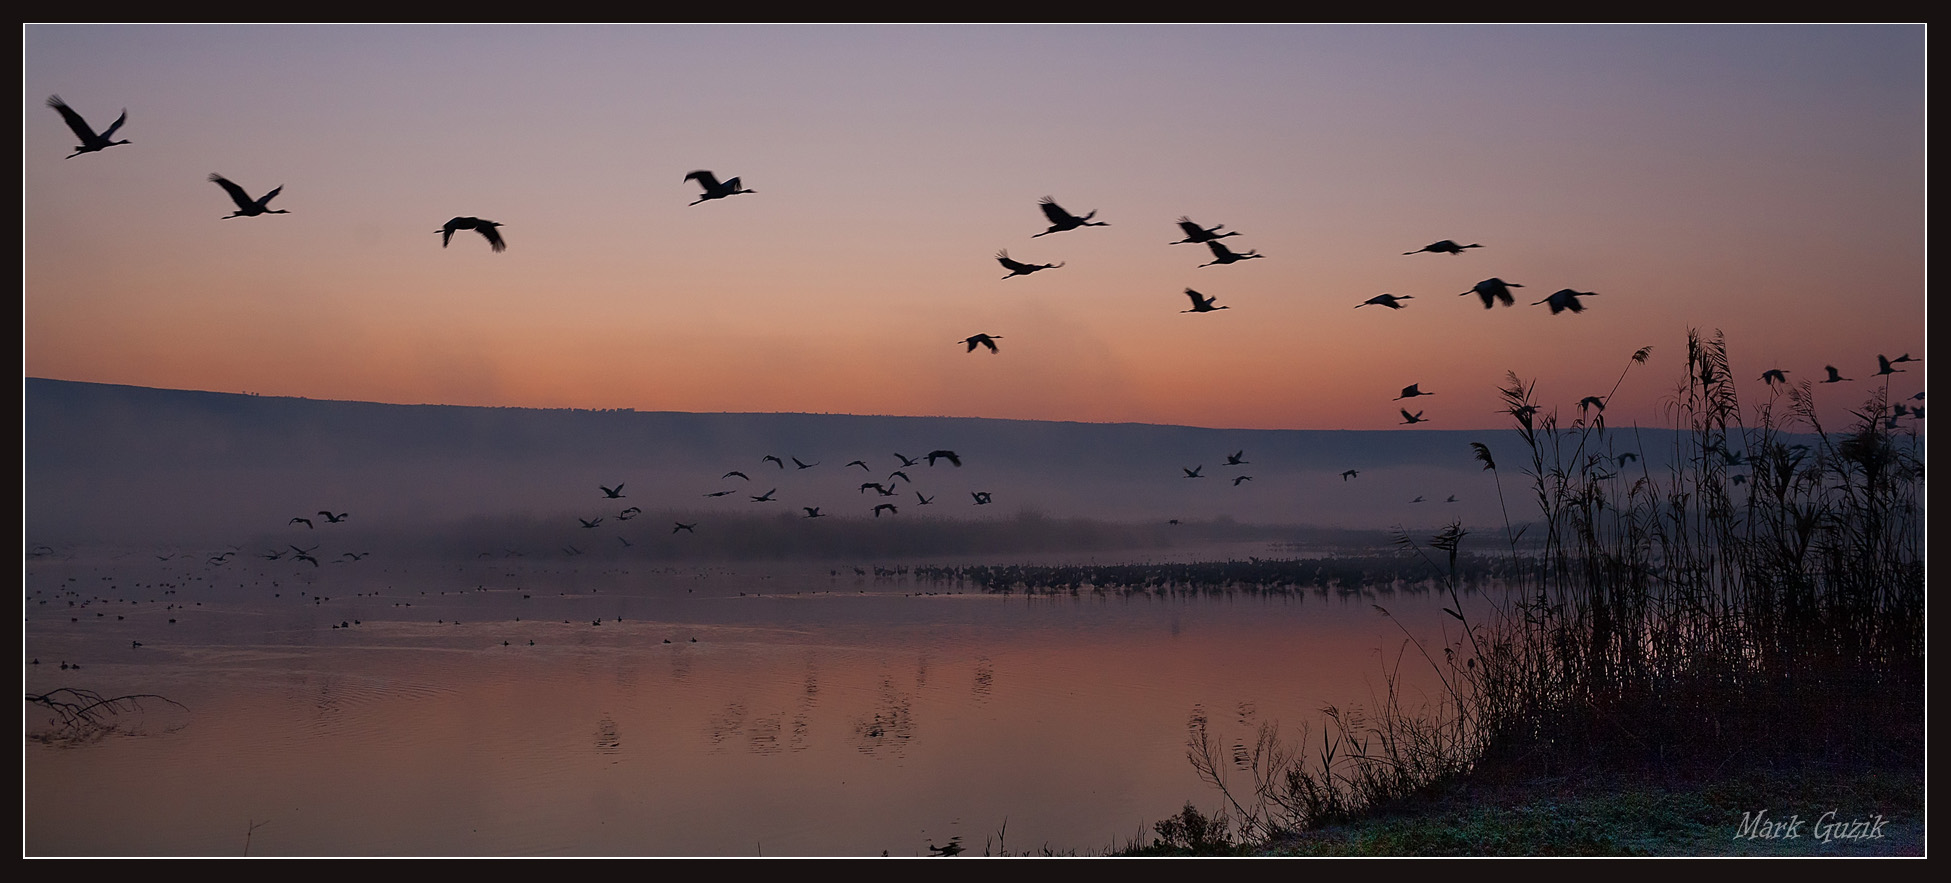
(1756, 609)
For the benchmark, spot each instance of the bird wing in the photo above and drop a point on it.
(705, 179)
(732, 185)
(1220, 251)
(1054, 212)
(1192, 230)
(237, 194)
(1003, 258)
(493, 236)
(74, 120)
(272, 195)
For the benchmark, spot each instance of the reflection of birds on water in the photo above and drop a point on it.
(90, 142)
(714, 189)
(1444, 246)
(246, 206)
(1201, 303)
(1018, 268)
(484, 227)
(1566, 299)
(1061, 220)
(1492, 291)
(1195, 233)
(988, 340)
(1392, 301)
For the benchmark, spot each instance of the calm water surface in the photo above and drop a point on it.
(517, 708)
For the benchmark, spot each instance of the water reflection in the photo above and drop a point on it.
(820, 723)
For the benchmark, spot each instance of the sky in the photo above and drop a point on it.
(1767, 182)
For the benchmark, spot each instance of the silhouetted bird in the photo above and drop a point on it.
(1493, 290)
(1773, 376)
(800, 464)
(981, 497)
(1018, 268)
(1193, 472)
(713, 189)
(1224, 255)
(924, 500)
(687, 528)
(613, 493)
(1834, 375)
(1061, 220)
(1237, 458)
(888, 506)
(1883, 366)
(1392, 301)
(1904, 358)
(1411, 391)
(900, 475)
(1590, 402)
(905, 461)
(767, 497)
(485, 228)
(1452, 499)
(875, 485)
(719, 493)
(90, 142)
(1196, 233)
(737, 473)
(861, 463)
(1241, 478)
(589, 523)
(1408, 418)
(1352, 473)
(246, 206)
(304, 521)
(812, 511)
(943, 455)
(776, 460)
(1566, 299)
(1444, 247)
(988, 340)
(629, 513)
(1201, 303)
(1418, 499)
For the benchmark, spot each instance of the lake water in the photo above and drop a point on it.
(521, 707)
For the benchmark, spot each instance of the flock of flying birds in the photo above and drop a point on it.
(1492, 292)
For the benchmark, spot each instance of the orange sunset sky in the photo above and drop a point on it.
(1767, 181)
